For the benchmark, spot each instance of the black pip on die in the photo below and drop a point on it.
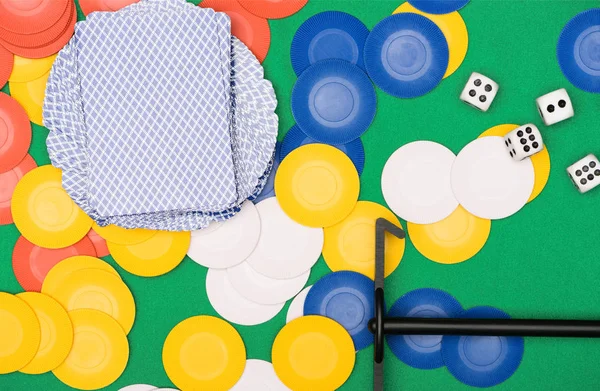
(479, 92)
(524, 141)
(555, 106)
(585, 173)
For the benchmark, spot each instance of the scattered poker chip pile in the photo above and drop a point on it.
(261, 257)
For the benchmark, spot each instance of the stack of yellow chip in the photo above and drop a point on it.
(317, 185)
(145, 252)
(102, 311)
(313, 353)
(204, 353)
(350, 244)
(36, 333)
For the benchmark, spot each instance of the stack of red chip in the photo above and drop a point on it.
(15, 139)
(36, 29)
(249, 19)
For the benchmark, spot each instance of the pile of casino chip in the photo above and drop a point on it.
(76, 312)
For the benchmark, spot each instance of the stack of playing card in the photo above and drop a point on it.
(156, 124)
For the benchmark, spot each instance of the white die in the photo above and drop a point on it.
(585, 173)
(555, 106)
(524, 141)
(479, 92)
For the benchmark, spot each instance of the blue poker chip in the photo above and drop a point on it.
(422, 351)
(438, 6)
(329, 35)
(406, 55)
(578, 50)
(295, 138)
(347, 298)
(268, 190)
(482, 361)
(334, 102)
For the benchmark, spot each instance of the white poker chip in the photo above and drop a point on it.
(285, 248)
(416, 182)
(488, 182)
(259, 375)
(139, 387)
(227, 243)
(296, 308)
(262, 289)
(234, 307)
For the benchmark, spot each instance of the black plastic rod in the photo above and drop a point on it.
(490, 327)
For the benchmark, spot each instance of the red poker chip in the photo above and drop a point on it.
(28, 17)
(41, 38)
(8, 182)
(49, 48)
(15, 133)
(99, 244)
(6, 65)
(32, 263)
(273, 9)
(252, 30)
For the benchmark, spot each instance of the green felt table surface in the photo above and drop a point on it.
(542, 262)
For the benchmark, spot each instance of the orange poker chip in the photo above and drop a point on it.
(40, 38)
(273, 9)
(6, 65)
(49, 48)
(8, 182)
(99, 244)
(15, 133)
(32, 263)
(252, 30)
(28, 17)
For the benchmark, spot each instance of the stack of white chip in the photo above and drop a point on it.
(257, 260)
(424, 182)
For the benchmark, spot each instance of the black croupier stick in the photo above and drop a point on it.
(382, 325)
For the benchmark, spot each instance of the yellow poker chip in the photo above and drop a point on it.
(154, 257)
(59, 272)
(540, 161)
(99, 354)
(31, 95)
(454, 29)
(43, 211)
(204, 353)
(317, 185)
(28, 69)
(98, 290)
(120, 235)
(20, 333)
(56, 333)
(453, 240)
(313, 353)
(350, 244)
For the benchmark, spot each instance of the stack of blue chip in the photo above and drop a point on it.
(406, 55)
(578, 50)
(475, 361)
(329, 35)
(333, 101)
(347, 298)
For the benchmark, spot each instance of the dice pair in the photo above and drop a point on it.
(553, 107)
